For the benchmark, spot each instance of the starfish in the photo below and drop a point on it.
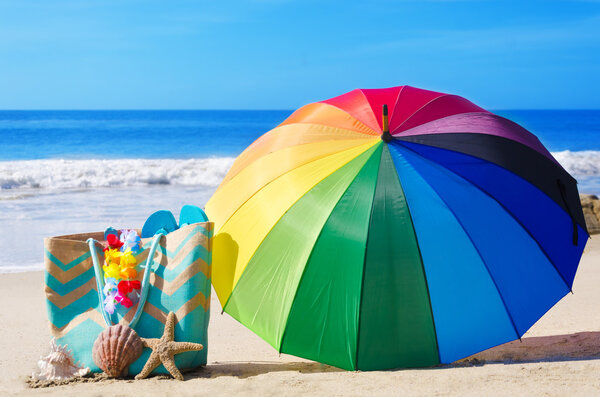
(164, 349)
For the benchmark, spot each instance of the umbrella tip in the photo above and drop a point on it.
(385, 135)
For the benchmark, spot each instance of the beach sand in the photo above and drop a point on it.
(560, 355)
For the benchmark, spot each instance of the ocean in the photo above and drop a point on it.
(65, 172)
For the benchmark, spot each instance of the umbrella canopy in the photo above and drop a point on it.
(372, 241)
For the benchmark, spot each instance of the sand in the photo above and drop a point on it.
(560, 355)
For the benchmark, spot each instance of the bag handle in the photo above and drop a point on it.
(145, 280)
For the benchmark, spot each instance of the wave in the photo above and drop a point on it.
(70, 174)
(77, 174)
(584, 163)
(21, 268)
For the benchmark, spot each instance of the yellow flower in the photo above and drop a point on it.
(112, 270)
(127, 259)
(113, 255)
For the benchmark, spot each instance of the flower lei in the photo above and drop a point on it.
(120, 286)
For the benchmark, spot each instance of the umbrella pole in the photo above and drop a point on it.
(385, 136)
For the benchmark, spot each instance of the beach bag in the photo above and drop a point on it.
(177, 280)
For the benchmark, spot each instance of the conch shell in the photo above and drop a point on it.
(115, 348)
(59, 364)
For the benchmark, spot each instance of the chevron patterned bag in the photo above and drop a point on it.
(179, 282)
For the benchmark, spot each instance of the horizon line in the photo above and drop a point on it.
(224, 110)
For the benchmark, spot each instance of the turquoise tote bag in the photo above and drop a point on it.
(174, 270)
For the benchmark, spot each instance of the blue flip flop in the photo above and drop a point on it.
(110, 230)
(159, 220)
(191, 214)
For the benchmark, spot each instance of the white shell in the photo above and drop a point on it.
(58, 365)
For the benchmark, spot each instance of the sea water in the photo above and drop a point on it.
(65, 172)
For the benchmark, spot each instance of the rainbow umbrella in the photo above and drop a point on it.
(364, 244)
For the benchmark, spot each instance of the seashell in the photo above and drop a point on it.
(59, 364)
(115, 348)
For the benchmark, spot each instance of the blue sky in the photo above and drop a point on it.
(278, 54)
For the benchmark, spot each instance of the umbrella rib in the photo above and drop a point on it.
(362, 286)
(476, 249)
(330, 138)
(362, 279)
(359, 136)
(419, 109)
(369, 104)
(291, 170)
(338, 108)
(363, 134)
(503, 207)
(311, 253)
(422, 268)
(375, 114)
(348, 113)
(234, 178)
(320, 231)
(557, 170)
(529, 139)
(279, 219)
(396, 103)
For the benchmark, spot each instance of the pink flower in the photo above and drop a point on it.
(124, 300)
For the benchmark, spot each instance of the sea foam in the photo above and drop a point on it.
(69, 174)
(585, 163)
(73, 174)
